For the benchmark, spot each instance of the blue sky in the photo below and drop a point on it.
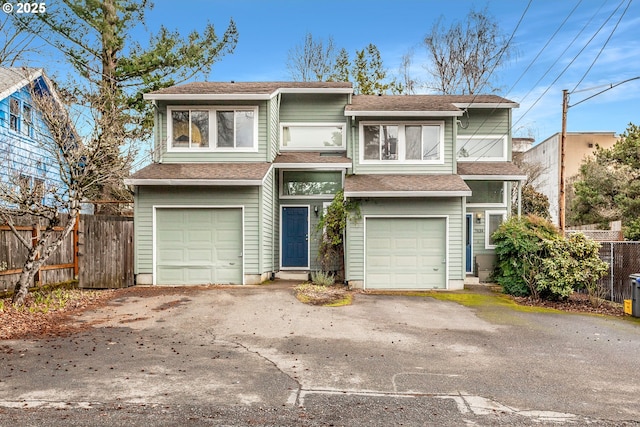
(268, 29)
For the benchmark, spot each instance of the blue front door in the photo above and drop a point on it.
(295, 237)
(469, 243)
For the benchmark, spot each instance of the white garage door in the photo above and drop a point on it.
(198, 246)
(405, 253)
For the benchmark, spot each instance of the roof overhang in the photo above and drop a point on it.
(242, 96)
(494, 177)
(404, 194)
(486, 105)
(196, 182)
(403, 113)
(312, 165)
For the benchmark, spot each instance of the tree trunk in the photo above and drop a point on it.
(26, 277)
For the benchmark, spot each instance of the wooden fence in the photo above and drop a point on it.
(99, 253)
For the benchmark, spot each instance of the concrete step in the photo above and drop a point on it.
(471, 280)
(293, 275)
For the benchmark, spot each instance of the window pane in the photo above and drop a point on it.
(14, 114)
(244, 127)
(225, 128)
(295, 183)
(26, 116)
(486, 192)
(413, 136)
(180, 128)
(199, 128)
(371, 142)
(494, 222)
(390, 143)
(312, 136)
(431, 142)
(480, 147)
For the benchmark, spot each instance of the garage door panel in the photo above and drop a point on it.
(199, 246)
(405, 253)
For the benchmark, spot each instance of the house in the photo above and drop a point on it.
(244, 170)
(578, 146)
(22, 132)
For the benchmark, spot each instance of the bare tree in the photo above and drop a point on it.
(313, 60)
(80, 167)
(465, 56)
(408, 83)
(15, 43)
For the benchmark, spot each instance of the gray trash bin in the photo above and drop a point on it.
(635, 294)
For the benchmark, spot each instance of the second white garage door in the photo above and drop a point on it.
(198, 246)
(405, 253)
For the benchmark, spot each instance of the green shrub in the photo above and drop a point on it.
(534, 260)
(518, 248)
(321, 278)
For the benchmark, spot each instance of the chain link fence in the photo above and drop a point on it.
(623, 259)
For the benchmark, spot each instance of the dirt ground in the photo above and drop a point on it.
(36, 320)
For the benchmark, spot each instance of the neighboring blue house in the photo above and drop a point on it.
(244, 170)
(22, 132)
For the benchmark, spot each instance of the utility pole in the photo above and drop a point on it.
(563, 138)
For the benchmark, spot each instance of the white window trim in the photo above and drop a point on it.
(401, 143)
(482, 159)
(487, 245)
(213, 129)
(493, 205)
(309, 196)
(341, 125)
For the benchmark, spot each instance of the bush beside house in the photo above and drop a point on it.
(535, 260)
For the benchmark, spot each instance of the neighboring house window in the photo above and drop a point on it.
(213, 128)
(27, 118)
(402, 142)
(487, 193)
(313, 136)
(493, 219)
(14, 114)
(311, 183)
(482, 147)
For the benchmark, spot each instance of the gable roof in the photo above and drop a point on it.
(383, 185)
(15, 78)
(239, 174)
(245, 90)
(422, 105)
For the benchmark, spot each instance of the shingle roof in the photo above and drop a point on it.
(417, 184)
(265, 88)
(13, 78)
(205, 173)
(306, 157)
(489, 169)
(440, 103)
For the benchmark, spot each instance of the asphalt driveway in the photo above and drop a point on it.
(257, 356)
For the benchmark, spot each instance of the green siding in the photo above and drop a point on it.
(451, 207)
(315, 108)
(488, 121)
(392, 167)
(147, 197)
(274, 128)
(267, 236)
(215, 156)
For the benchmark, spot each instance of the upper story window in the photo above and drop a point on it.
(310, 183)
(482, 148)
(14, 114)
(27, 118)
(213, 128)
(313, 136)
(402, 142)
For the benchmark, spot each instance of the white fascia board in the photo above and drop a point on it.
(487, 105)
(195, 182)
(412, 113)
(336, 90)
(407, 194)
(208, 97)
(312, 165)
(494, 177)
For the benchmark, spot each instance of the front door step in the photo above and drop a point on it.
(292, 275)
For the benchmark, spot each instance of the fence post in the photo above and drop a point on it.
(35, 236)
(76, 248)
